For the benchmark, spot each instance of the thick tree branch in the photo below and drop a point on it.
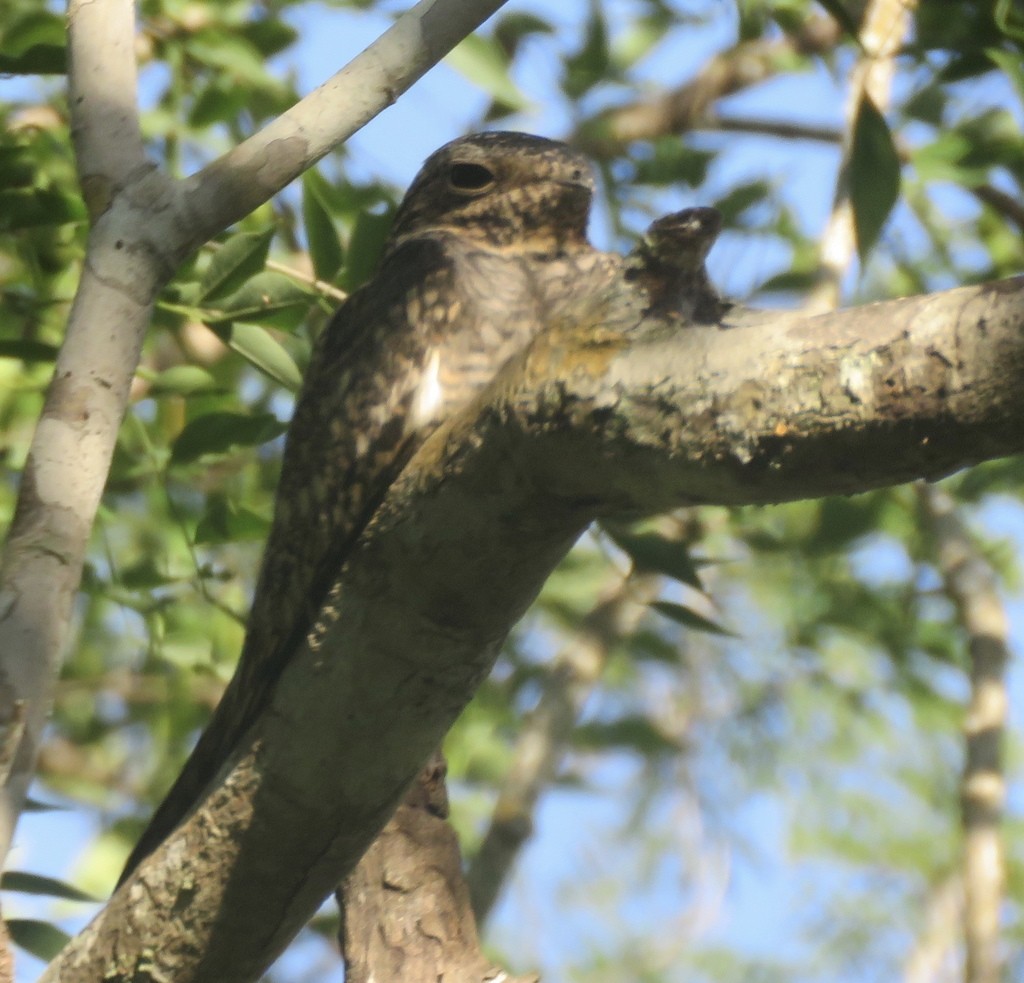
(405, 912)
(144, 225)
(611, 413)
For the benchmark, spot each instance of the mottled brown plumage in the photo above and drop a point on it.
(488, 242)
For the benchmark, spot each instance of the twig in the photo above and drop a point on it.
(771, 128)
(685, 106)
(1007, 206)
(320, 286)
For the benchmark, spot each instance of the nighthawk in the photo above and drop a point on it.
(489, 240)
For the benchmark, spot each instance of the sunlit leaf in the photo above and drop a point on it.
(234, 55)
(259, 348)
(267, 298)
(183, 380)
(483, 62)
(238, 259)
(1011, 65)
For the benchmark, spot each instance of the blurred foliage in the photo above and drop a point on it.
(801, 656)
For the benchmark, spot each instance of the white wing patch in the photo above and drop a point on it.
(429, 393)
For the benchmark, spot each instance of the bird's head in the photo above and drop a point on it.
(508, 190)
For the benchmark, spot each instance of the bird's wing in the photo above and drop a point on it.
(350, 435)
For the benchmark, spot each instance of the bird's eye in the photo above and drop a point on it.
(470, 177)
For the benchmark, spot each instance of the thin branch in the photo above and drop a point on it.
(1006, 205)
(247, 175)
(772, 128)
(685, 106)
(544, 737)
(970, 585)
(322, 287)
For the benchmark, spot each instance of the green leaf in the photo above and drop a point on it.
(28, 351)
(690, 619)
(324, 245)
(1009, 19)
(238, 259)
(365, 247)
(268, 297)
(636, 733)
(41, 939)
(24, 208)
(484, 63)
(18, 168)
(656, 554)
(215, 433)
(592, 63)
(184, 380)
(874, 175)
(1009, 64)
(270, 35)
(34, 45)
(844, 19)
(259, 348)
(144, 576)
(735, 202)
(513, 28)
(672, 162)
(232, 54)
(225, 522)
(24, 883)
(216, 102)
